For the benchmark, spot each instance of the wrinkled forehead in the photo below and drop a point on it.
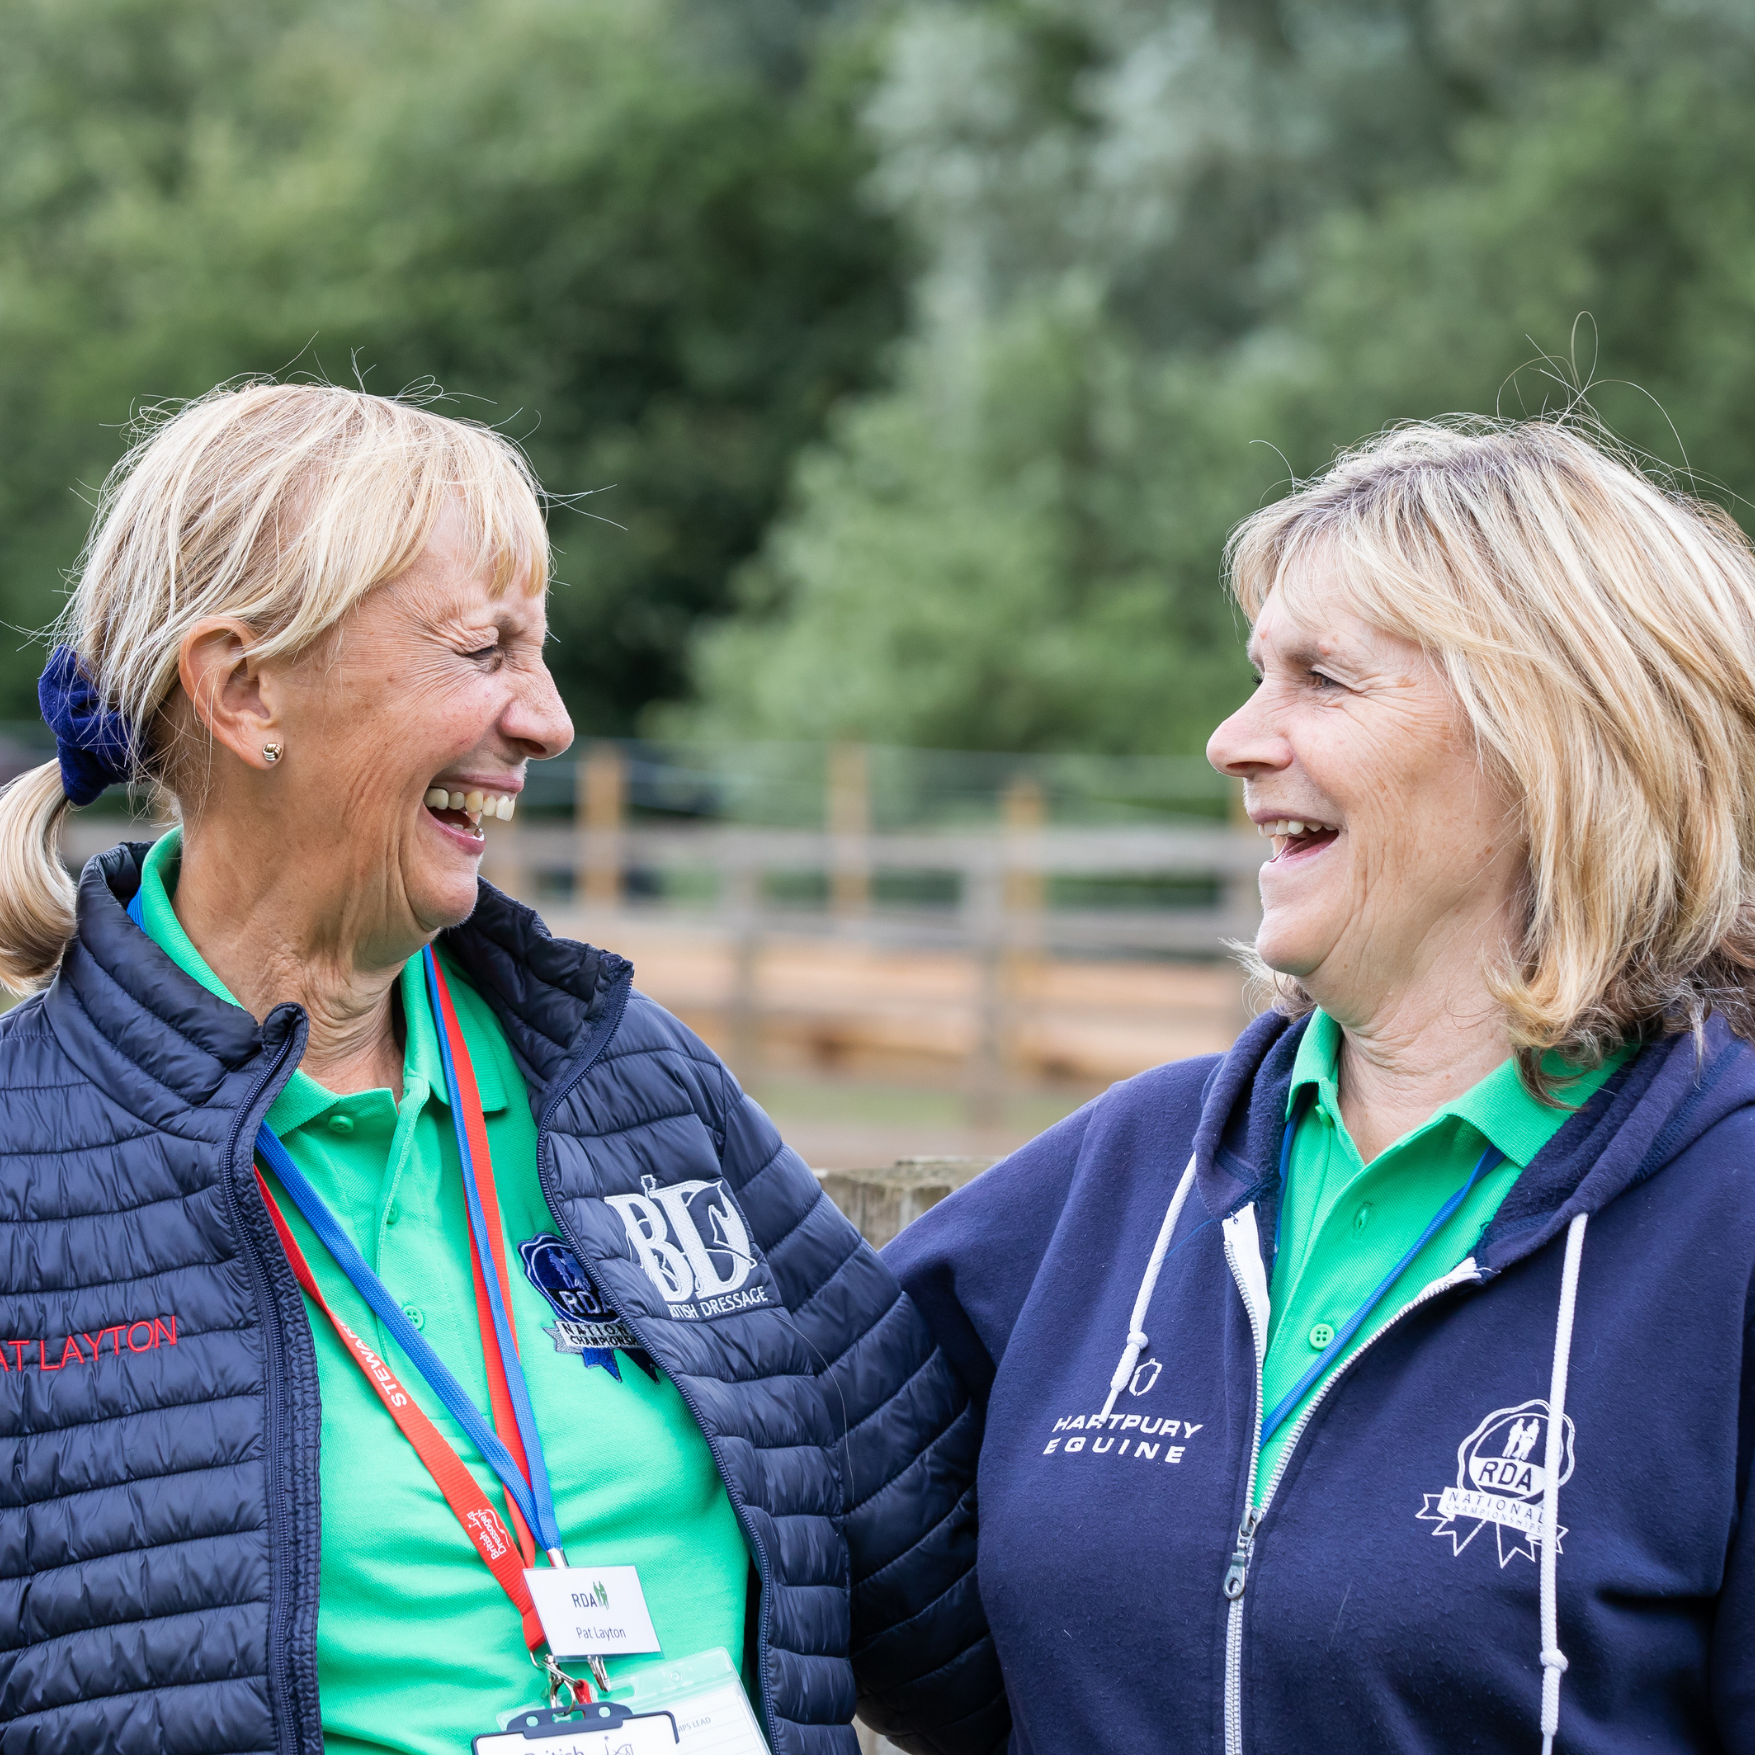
(1308, 602)
(1319, 586)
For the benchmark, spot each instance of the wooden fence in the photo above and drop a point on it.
(1013, 896)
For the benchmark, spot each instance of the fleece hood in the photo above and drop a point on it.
(1675, 1090)
(1513, 1519)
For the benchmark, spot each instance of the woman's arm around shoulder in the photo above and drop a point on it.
(928, 1673)
(911, 1438)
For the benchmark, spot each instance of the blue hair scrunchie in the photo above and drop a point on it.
(94, 746)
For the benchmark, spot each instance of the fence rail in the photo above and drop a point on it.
(1002, 902)
(998, 875)
(1001, 926)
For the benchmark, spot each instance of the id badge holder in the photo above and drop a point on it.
(600, 1727)
(704, 1694)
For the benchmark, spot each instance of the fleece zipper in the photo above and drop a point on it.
(1237, 1573)
(1241, 1228)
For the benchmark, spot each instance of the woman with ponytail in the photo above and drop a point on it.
(373, 1263)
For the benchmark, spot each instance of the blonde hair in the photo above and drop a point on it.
(282, 505)
(1597, 630)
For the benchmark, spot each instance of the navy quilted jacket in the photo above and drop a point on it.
(159, 1504)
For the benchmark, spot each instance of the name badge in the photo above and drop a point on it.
(591, 1611)
(695, 1707)
(596, 1729)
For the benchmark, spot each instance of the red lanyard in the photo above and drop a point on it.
(481, 1523)
(506, 1552)
(479, 1160)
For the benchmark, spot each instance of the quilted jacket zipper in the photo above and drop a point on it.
(287, 1735)
(764, 1570)
(1237, 1572)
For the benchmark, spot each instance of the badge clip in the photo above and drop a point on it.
(559, 1681)
(632, 1733)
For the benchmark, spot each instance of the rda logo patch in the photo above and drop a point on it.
(587, 1326)
(1501, 1474)
(695, 1247)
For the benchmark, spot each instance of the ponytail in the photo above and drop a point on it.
(36, 894)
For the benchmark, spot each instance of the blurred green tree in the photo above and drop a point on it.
(1174, 251)
(639, 252)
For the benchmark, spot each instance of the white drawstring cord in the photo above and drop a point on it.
(1136, 1335)
(1553, 1658)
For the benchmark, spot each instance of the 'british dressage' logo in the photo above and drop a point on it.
(1501, 1475)
(695, 1247)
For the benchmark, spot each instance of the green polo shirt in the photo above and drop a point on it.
(418, 1649)
(1344, 1224)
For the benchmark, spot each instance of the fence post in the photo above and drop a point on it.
(502, 865)
(984, 929)
(600, 802)
(1025, 813)
(849, 822)
(741, 901)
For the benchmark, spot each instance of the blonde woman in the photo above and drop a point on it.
(1385, 1384)
(368, 1255)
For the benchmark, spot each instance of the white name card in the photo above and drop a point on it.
(592, 1611)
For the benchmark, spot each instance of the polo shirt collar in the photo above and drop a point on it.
(1317, 1063)
(1499, 1108)
(303, 1100)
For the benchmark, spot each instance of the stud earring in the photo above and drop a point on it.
(272, 752)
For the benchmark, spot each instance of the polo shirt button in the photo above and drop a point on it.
(340, 1124)
(393, 1213)
(413, 1313)
(1362, 1218)
(1321, 1336)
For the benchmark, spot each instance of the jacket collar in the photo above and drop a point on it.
(1243, 1113)
(1651, 1111)
(119, 1001)
(118, 998)
(549, 993)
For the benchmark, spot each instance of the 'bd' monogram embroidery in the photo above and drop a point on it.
(695, 1247)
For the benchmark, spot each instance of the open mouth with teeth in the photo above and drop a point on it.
(1293, 838)
(467, 811)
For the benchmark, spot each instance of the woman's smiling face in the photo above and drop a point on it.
(1394, 852)
(434, 684)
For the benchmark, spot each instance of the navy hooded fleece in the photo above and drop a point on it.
(1391, 1598)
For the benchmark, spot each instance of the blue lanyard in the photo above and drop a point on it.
(1277, 1417)
(421, 1355)
(544, 1523)
(535, 1498)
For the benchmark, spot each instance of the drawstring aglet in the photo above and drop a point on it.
(1136, 1335)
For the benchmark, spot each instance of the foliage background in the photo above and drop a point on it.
(631, 233)
(924, 352)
